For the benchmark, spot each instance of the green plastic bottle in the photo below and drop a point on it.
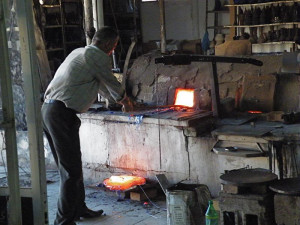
(211, 215)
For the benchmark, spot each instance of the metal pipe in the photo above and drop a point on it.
(162, 26)
(88, 19)
(95, 14)
(100, 13)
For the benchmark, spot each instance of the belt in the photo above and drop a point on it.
(54, 101)
(51, 101)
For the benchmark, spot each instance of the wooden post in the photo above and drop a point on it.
(88, 19)
(232, 13)
(162, 26)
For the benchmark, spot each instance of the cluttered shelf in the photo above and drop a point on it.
(270, 26)
(262, 3)
(50, 6)
(263, 25)
(217, 27)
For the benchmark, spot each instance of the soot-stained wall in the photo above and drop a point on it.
(156, 83)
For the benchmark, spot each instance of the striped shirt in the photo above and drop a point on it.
(84, 73)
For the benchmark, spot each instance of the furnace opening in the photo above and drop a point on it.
(185, 97)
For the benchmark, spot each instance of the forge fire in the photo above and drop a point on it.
(184, 97)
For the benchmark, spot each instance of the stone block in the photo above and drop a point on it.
(231, 189)
(243, 209)
(287, 209)
(142, 196)
(256, 189)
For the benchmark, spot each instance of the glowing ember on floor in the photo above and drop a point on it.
(254, 112)
(184, 97)
(123, 182)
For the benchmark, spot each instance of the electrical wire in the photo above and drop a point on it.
(156, 206)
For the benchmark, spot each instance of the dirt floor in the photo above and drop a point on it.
(117, 209)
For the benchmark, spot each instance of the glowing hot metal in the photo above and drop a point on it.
(123, 182)
(184, 97)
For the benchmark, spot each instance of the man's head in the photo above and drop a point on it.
(106, 39)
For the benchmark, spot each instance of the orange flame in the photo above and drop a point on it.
(184, 97)
(123, 182)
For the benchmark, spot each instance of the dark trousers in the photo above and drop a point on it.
(61, 127)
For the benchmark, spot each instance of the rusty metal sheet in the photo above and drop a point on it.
(238, 152)
(248, 177)
(243, 130)
(238, 120)
(289, 186)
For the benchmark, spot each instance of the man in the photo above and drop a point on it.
(84, 73)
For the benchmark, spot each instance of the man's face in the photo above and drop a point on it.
(113, 46)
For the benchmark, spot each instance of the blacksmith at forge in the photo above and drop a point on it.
(84, 73)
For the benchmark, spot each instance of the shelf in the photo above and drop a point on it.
(70, 1)
(72, 25)
(217, 27)
(54, 50)
(53, 26)
(50, 6)
(218, 11)
(263, 25)
(261, 4)
(275, 43)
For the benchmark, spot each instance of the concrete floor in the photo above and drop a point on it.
(126, 212)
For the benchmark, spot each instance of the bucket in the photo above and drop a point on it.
(186, 204)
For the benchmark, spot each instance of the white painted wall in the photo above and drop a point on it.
(185, 19)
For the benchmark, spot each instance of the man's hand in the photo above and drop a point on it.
(130, 105)
(127, 104)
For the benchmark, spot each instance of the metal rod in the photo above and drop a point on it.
(162, 26)
(270, 155)
(182, 59)
(215, 95)
(95, 14)
(278, 149)
(100, 14)
(88, 19)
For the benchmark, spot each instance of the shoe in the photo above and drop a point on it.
(90, 214)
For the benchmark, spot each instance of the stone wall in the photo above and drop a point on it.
(156, 83)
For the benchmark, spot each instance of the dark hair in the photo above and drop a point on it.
(104, 35)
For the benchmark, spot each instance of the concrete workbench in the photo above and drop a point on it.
(114, 143)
